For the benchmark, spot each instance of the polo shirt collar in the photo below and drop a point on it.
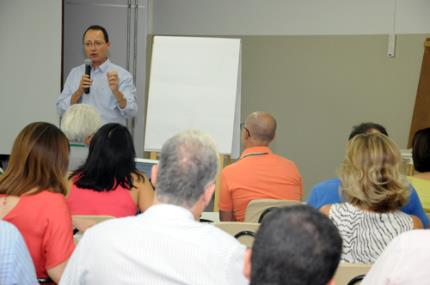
(256, 150)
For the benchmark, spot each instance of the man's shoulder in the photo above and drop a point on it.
(327, 185)
(118, 68)
(231, 166)
(246, 164)
(283, 160)
(79, 68)
(8, 230)
(117, 225)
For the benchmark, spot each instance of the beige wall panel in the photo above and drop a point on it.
(318, 87)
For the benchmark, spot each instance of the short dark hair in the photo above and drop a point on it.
(110, 160)
(421, 150)
(97, 28)
(295, 245)
(365, 128)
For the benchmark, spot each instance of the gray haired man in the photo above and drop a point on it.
(165, 244)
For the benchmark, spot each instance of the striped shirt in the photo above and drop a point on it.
(365, 234)
(16, 266)
(162, 246)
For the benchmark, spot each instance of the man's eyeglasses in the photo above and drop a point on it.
(242, 127)
(95, 44)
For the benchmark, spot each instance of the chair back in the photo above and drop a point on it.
(356, 279)
(351, 273)
(256, 208)
(243, 232)
(46, 280)
(83, 222)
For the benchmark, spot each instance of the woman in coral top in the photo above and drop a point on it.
(108, 183)
(32, 198)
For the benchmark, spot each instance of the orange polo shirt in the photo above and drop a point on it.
(258, 174)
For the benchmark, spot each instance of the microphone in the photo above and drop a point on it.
(88, 63)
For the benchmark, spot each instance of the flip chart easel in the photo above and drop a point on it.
(195, 83)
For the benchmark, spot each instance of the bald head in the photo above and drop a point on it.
(262, 127)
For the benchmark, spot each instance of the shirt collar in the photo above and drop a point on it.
(256, 150)
(168, 211)
(104, 66)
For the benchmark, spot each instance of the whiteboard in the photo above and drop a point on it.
(194, 83)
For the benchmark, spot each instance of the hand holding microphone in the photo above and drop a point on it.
(86, 78)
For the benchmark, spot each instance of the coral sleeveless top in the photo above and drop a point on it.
(46, 226)
(117, 203)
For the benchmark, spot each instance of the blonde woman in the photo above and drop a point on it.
(374, 191)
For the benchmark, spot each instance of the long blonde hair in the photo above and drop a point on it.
(371, 174)
(39, 160)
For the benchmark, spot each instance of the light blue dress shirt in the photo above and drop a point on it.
(16, 265)
(101, 96)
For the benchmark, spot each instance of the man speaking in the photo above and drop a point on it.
(99, 82)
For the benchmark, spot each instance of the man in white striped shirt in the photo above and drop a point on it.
(16, 266)
(165, 245)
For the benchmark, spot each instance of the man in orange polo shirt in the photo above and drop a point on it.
(259, 173)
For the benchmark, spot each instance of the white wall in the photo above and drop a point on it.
(289, 17)
(30, 69)
(320, 66)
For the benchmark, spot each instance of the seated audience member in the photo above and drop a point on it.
(421, 156)
(79, 123)
(296, 246)
(16, 266)
(166, 244)
(108, 183)
(404, 262)
(328, 192)
(259, 173)
(374, 191)
(32, 198)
